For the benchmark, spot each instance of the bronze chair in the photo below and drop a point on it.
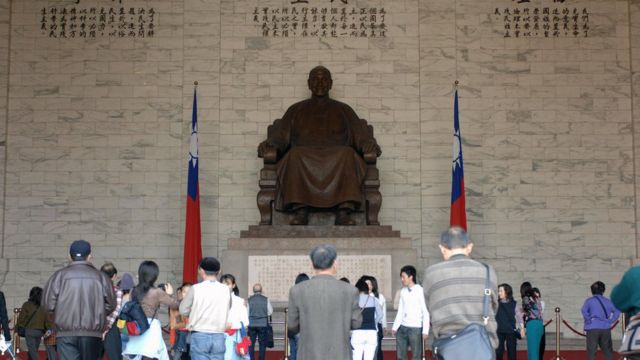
(269, 181)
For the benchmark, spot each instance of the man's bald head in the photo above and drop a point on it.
(257, 288)
(320, 81)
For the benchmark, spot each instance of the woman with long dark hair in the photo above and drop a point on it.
(364, 340)
(34, 319)
(372, 282)
(532, 313)
(510, 323)
(150, 344)
(237, 318)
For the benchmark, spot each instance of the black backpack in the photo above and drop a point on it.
(136, 321)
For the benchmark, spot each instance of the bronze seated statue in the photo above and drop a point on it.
(319, 156)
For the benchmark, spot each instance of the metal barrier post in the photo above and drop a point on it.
(424, 349)
(15, 338)
(624, 327)
(558, 357)
(286, 334)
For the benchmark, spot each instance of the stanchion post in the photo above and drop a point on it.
(623, 322)
(286, 334)
(424, 349)
(15, 338)
(557, 356)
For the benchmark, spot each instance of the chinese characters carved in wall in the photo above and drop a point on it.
(321, 22)
(93, 22)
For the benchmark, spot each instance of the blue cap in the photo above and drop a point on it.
(79, 250)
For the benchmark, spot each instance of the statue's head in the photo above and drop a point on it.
(320, 81)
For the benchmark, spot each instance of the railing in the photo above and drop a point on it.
(558, 321)
(15, 339)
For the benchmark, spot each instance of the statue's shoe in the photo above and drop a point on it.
(344, 219)
(301, 218)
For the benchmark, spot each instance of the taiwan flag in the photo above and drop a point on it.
(192, 234)
(458, 209)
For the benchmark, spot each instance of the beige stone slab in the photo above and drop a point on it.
(277, 273)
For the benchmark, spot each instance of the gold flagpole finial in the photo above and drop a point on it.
(195, 83)
(455, 83)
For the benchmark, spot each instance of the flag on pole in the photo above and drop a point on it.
(458, 208)
(192, 234)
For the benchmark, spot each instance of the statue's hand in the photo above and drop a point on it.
(370, 146)
(266, 147)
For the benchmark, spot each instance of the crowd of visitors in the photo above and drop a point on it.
(85, 313)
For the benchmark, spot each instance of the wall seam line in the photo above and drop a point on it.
(6, 132)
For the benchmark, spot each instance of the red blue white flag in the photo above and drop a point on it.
(458, 207)
(192, 234)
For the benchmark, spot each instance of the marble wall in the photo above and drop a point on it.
(5, 11)
(94, 131)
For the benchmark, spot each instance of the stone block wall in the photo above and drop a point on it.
(5, 11)
(96, 131)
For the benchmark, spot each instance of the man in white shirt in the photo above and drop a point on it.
(411, 326)
(207, 306)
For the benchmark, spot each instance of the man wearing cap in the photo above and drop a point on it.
(80, 297)
(207, 306)
(454, 288)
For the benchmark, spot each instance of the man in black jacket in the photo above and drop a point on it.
(80, 297)
(4, 318)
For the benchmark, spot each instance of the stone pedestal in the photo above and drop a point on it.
(274, 255)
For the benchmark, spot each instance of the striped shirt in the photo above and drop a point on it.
(111, 319)
(454, 293)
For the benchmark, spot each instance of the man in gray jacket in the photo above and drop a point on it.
(324, 310)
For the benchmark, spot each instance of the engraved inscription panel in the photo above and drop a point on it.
(277, 273)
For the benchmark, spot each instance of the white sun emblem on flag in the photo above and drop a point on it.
(193, 147)
(457, 150)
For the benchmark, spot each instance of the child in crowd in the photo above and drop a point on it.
(238, 318)
(178, 336)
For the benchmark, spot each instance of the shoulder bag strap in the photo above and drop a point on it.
(604, 309)
(31, 317)
(154, 314)
(365, 303)
(487, 296)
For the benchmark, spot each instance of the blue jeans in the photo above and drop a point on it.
(205, 346)
(293, 347)
(409, 337)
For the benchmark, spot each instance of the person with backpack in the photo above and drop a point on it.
(146, 340)
(599, 314)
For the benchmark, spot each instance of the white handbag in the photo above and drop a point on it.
(631, 339)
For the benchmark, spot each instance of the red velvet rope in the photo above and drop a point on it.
(547, 323)
(584, 334)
